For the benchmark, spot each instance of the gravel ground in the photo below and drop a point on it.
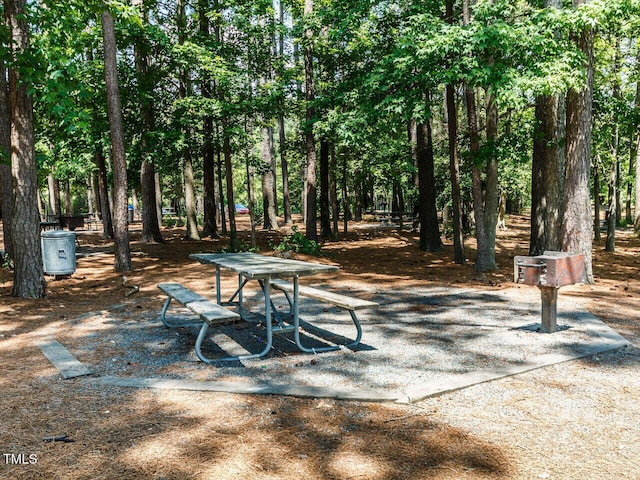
(416, 338)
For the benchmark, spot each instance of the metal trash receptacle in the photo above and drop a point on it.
(58, 252)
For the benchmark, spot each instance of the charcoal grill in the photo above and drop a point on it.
(549, 272)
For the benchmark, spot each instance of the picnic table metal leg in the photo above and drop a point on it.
(202, 357)
(267, 348)
(174, 325)
(218, 294)
(296, 324)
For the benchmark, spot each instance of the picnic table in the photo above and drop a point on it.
(269, 272)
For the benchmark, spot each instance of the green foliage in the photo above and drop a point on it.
(297, 242)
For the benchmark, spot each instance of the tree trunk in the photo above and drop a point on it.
(310, 174)
(252, 197)
(6, 189)
(54, 195)
(120, 205)
(454, 162)
(28, 273)
(221, 201)
(284, 166)
(234, 243)
(267, 156)
(105, 204)
(333, 191)
(66, 193)
(547, 176)
(209, 224)
(596, 196)
(189, 183)
(476, 177)
(429, 229)
(190, 198)
(325, 223)
(577, 227)
(612, 210)
(150, 225)
(158, 190)
(547, 170)
(487, 258)
(346, 208)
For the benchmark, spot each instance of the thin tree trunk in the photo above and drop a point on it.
(28, 272)
(284, 166)
(612, 210)
(209, 224)
(577, 227)
(105, 204)
(252, 198)
(66, 194)
(429, 229)
(454, 162)
(221, 201)
(596, 196)
(158, 190)
(492, 196)
(54, 195)
(267, 156)
(346, 208)
(190, 198)
(476, 177)
(120, 222)
(234, 243)
(325, 224)
(150, 225)
(310, 174)
(333, 191)
(189, 183)
(6, 189)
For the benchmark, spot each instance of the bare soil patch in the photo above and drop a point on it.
(573, 420)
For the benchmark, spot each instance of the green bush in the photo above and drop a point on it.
(297, 242)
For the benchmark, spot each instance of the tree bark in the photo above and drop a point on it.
(103, 188)
(454, 162)
(189, 183)
(54, 195)
(120, 205)
(311, 212)
(284, 166)
(325, 224)
(6, 189)
(577, 225)
(429, 229)
(267, 156)
(150, 225)
(234, 242)
(547, 169)
(333, 191)
(28, 272)
(636, 223)
(209, 224)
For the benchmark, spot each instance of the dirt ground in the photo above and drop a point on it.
(577, 420)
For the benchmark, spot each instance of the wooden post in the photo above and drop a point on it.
(549, 309)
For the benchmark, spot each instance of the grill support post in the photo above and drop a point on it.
(549, 308)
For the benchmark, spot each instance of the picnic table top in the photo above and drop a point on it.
(253, 265)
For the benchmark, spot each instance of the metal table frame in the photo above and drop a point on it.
(252, 266)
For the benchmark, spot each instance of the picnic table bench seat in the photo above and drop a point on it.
(345, 302)
(209, 312)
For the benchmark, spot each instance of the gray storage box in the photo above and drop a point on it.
(58, 252)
